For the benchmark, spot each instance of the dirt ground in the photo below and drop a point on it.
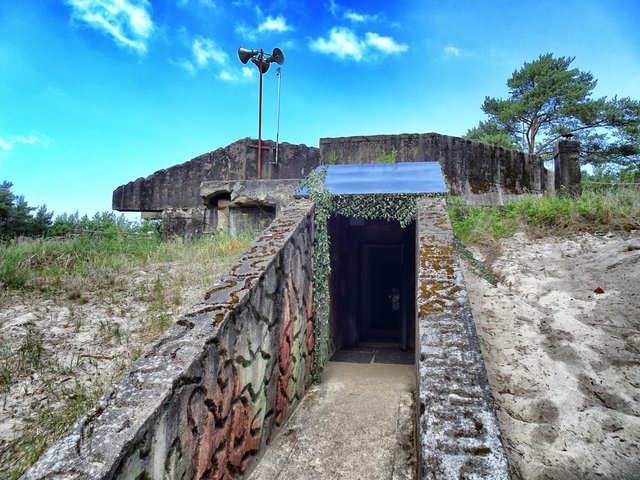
(61, 351)
(560, 335)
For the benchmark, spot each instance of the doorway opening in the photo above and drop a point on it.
(372, 290)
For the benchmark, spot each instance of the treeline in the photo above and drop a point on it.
(18, 219)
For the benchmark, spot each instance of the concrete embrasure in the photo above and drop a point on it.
(207, 396)
(458, 433)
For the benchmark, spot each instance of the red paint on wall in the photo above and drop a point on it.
(285, 366)
(228, 439)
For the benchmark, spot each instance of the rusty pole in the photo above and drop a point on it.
(260, 118)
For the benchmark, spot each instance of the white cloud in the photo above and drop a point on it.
(274, 24)
(385, 44)
(204, 3)
(7, 144)
(344, 43)
(339, 11)
(360, 17)
(451, 51)
(248, 72)
(5, 147)
(227, 76)
(243, 74)
(269, 24)
(245, 31)
(333, 7)
(185, 65)
(205, 50)
(127, 21)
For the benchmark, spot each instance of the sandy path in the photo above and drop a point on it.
(563, 361)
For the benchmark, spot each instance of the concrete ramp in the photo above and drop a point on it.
(357, 424)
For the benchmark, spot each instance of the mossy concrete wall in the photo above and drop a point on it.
(482, 173)
(204, 400)
(179, 186)
(457, 429)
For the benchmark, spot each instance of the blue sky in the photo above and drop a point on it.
(95, 93)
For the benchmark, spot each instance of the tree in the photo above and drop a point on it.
(547, 101)
(491, 132)
(16, 216)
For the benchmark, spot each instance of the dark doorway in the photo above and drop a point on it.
(372, 286)
(381, 284)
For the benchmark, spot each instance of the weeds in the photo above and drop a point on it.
(57, 266)
(30, 350)
(78, 275)
(591, 212)
(46, 426)
(603, 210)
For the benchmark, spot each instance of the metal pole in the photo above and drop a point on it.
(278, 117)
(260, 117)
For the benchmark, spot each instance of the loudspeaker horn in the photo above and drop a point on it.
(245, 54)
(263, 65)
(277, 56)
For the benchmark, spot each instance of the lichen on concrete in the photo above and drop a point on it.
(458, 434)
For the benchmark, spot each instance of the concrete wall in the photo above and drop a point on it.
(179, 186)
(483, 174)
(204, 400)
(457, 429)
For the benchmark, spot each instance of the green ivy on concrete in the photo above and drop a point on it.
(322, 207)
(392, 207)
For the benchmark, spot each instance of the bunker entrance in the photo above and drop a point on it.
(372, 290)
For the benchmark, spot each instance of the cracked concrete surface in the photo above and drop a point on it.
(357, 424)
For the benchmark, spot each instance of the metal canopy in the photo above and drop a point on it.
(384, 178)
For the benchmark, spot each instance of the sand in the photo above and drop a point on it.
(563, 361)
(86, 340)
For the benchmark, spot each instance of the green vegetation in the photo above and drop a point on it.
(388, 157)
(64, 265)
(547, 101)
(323, 205)
(68, 272)
(17, 219)
(612, 209)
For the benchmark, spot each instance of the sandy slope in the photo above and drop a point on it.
(564, 361)
(86, 341)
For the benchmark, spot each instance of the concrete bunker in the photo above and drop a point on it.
(211, 393)
(372, 236)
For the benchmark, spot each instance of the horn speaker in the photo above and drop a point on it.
(245, 54)
(277, 56)
(263, 65)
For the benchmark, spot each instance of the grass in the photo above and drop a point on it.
(47, 425)
(74, 272)
(57, 266)
(591, 212)
(599, 210)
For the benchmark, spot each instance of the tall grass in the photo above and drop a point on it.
(84, 264)
(55, 265)
(592, 211)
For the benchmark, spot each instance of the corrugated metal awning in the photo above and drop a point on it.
(384, 178)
